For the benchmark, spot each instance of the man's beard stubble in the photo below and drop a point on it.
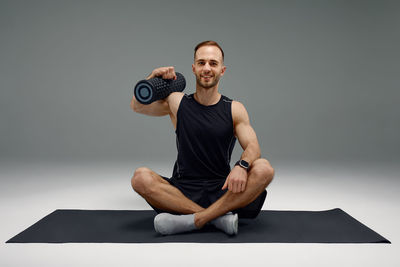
(205, 85)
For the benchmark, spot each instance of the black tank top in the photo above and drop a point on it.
(204, 139)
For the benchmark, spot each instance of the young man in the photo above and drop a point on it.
(203, 188)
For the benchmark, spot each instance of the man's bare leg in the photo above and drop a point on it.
(259, 176)
(160, 194)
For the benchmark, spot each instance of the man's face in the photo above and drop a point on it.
(208, 66)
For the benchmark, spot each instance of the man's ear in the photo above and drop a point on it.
(223, 70)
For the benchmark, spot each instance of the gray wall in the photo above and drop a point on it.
(319, 78)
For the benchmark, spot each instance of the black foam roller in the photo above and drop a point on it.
(148, 91)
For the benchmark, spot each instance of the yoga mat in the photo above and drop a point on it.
(136, 226)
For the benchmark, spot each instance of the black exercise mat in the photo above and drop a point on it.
(123, 226)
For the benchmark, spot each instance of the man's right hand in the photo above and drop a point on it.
(163, 72)
(159, 107)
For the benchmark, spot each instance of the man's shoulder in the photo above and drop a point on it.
(226, 98)
(237, 105)
(239, 112)
(174, 99)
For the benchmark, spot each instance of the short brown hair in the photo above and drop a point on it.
(205, 43)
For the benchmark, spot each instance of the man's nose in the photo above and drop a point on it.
(207, 66)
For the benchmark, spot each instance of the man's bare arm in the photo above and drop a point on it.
(245, 133)
(237, 178)
(159, 107)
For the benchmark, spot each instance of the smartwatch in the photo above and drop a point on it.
(242, 163)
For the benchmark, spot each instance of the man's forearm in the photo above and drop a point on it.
(251, 153)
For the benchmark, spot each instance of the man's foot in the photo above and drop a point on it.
(227, 223)
(168, 224)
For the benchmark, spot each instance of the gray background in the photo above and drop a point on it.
(318, 78)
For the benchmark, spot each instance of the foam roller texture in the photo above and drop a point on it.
(148, 91)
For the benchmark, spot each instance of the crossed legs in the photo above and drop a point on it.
(160, 194)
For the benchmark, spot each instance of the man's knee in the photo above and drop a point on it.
(142, 180)
(263, 170)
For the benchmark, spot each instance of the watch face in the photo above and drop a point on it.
(244, 163)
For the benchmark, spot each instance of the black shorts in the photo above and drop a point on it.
(206, 191)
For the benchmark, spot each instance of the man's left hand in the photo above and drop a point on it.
(236, 180)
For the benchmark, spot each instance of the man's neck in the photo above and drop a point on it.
(207, 97)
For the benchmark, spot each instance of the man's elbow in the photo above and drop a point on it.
(135, 106)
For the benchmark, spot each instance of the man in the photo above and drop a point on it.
(203, 188)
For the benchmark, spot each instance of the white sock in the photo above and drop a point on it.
(227, 223)
(168, 224)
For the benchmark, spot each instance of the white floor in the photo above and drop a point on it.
(31, 190)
